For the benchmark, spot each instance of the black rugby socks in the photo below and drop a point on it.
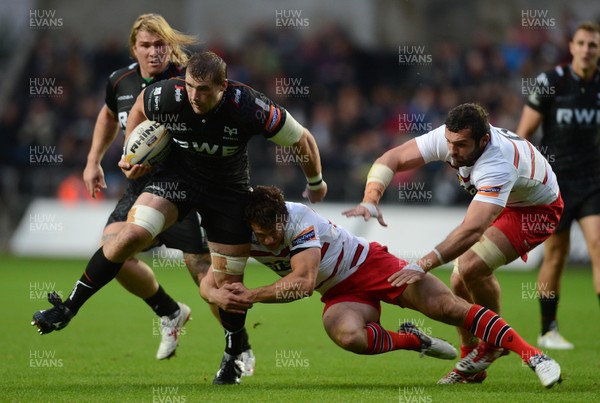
(549, 306)
(235, 332)
(161, 303)
(99, 272)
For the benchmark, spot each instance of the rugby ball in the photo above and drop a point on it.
(148, 144)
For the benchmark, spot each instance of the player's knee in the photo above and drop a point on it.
(129, 241)
(555, 261)
(232, 265)
(351, 341)
(486, 258)
(594, 249)
(473, 274)
(131, 237)
(556, 253)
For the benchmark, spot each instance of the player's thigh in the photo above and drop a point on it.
(228, 261)
(149, 216)
(348, 318)
(486, 255)
(432, 297)
(160, 204)
(185, 235)
(502, 242)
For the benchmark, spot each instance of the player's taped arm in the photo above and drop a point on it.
(379, 177)
(402, 158)
(290, 133)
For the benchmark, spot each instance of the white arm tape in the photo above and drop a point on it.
(414, 267)
(371, 209)
(290, 133)
(380, 173)
(439, 256)
(315, 182)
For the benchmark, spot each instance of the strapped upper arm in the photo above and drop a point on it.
(290, 133)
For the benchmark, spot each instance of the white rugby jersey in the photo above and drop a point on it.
(341, 251)
(510, 172)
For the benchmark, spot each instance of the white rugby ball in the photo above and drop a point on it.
(148, 144)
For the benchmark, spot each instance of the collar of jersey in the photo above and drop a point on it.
(578, 79)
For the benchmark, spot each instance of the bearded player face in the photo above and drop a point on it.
(464, 150)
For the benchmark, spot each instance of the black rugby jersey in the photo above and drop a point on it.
(213, 147)
(124, 86)
(571, 123)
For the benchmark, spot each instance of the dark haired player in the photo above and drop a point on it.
(566, 102)
(512, 184)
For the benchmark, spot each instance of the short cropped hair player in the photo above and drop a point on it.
(511, 183)
(159, 53)
(216, 118)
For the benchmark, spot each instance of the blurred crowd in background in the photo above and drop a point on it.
(357, 102)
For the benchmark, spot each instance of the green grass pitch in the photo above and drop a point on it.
(107, 352)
